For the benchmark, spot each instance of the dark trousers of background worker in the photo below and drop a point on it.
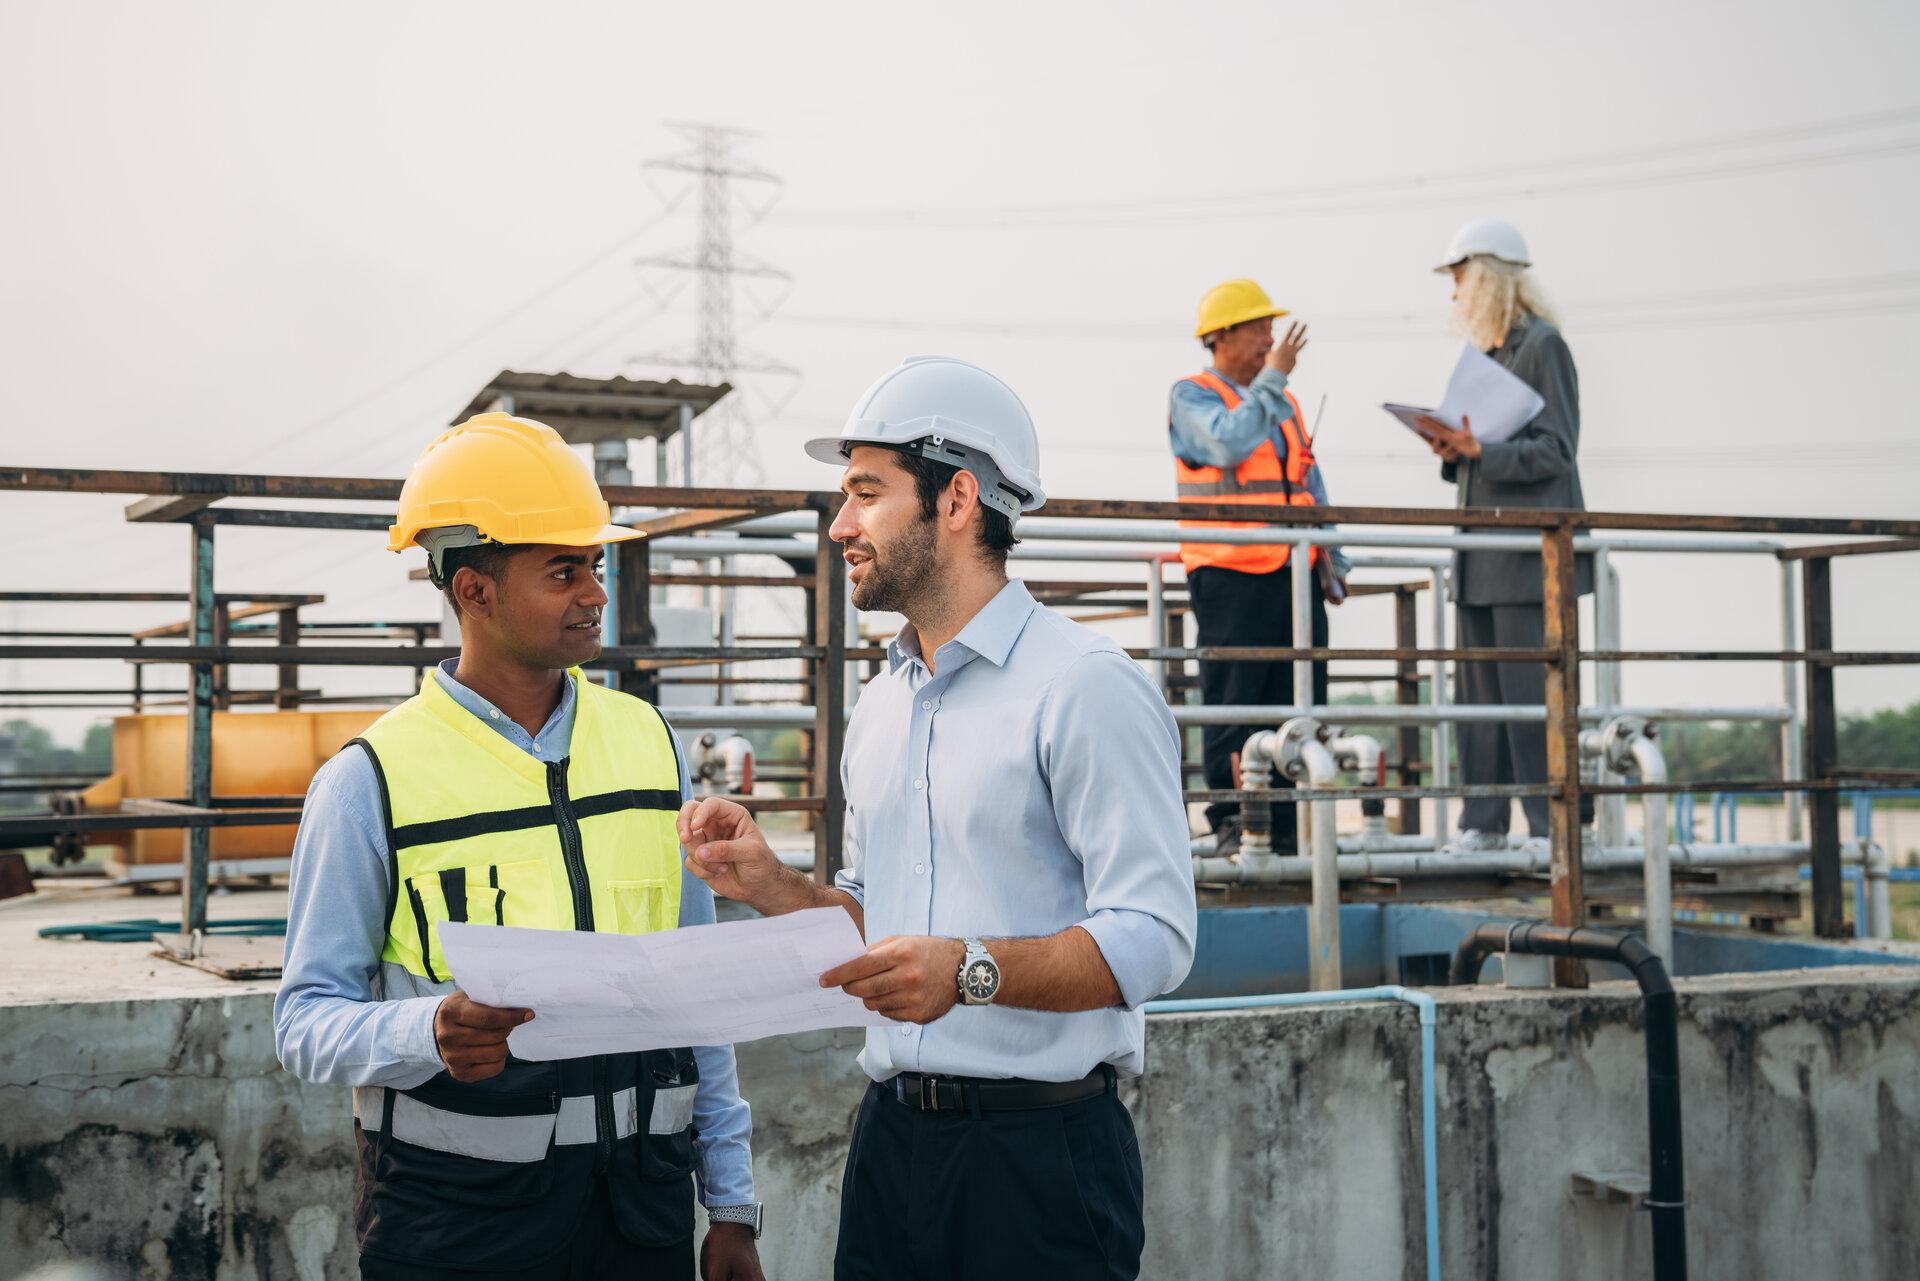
(1510, 751)
(1233, 608)
(596, 1252)
(983, 1195)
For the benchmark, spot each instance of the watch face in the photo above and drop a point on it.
(982, 980)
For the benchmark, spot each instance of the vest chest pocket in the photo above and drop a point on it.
(484, 894)
(640, 907)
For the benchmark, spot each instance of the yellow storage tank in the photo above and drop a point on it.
(254, 754)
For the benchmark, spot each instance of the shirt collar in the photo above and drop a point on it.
(989, 634)
(493, 716)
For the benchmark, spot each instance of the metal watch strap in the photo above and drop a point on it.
(975, 951)
(752, 1214)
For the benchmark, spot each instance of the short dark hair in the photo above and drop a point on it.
(482, 558)
(930, 480)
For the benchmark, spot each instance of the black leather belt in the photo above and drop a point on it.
(964, 1093)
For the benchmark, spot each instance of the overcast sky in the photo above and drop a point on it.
(297, 238)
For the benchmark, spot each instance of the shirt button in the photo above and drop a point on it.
(926, 704)
(906, 1029)
(493, 713)
(919, 869)
(919, 784)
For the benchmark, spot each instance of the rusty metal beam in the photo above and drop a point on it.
(1827, 551)
(829, 701)
(692, 520)
(163, 508)
(1561, 605)
(1822, 752)
(82, 480)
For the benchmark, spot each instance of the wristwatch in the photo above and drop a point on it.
(979, 977)
(753, 1214)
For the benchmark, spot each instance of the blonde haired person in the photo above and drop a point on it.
(1497, 594)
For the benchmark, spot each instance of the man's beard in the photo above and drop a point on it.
(897, 575)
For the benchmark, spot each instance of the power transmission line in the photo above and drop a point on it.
(1818, 299)
(1692, 161)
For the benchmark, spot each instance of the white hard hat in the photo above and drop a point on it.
(1493, 236)
(954, 413)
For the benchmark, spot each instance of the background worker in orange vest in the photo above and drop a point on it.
(1238, 437)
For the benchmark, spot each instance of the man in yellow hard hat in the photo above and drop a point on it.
(513, 791)
(1238, 437)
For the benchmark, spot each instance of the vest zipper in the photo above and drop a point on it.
(574, 856)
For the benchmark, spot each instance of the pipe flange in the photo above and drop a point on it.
(1294, 735)
(1617, 738)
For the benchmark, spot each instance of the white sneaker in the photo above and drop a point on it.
(1475, 841)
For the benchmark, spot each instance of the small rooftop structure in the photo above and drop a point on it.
(588, 410)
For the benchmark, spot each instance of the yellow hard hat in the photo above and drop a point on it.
(511, 480)
(1233, 303)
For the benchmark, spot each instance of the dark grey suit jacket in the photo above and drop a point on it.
(1537, 467)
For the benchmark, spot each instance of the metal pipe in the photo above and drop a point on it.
(1522, 861)
(1439, 695)
(1610, 818)
(1421, 1002)
(1877, 869)
(1792, 744)
(1157, 619)
(1300, 749)
(1667, 1198)
(1657, 883)
(797, 716)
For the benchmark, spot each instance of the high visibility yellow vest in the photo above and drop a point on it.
(482, 832)
(492, 1175)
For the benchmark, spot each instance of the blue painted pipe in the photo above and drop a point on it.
(1386, 992)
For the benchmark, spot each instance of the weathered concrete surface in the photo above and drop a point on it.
(160, 1135)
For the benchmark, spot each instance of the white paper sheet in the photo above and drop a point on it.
(703, 985)
(1481, 390)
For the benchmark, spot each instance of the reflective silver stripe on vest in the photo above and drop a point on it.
(1217, 488)
(510, 1138)
(672, 1109)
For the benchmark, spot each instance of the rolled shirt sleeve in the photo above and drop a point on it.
(1206, 433)
(1105, 734)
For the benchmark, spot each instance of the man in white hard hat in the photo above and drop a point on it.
(1238, 437)
(1497, 594)
(1016, 855)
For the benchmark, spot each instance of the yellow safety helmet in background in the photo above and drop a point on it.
(1233, 303)
(500, 479)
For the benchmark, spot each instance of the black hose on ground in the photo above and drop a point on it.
(1666, 1199)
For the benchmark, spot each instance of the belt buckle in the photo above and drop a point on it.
(929, 1094)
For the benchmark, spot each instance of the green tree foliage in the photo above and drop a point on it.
(1889, 739)
(29, 748)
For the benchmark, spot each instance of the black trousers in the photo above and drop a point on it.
(596, 1252)
(1233, 608)
(1051, 1193)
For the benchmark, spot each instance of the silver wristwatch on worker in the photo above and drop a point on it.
(979, 977)
(753, 1214)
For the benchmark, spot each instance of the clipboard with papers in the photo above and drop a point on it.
(1482, 391)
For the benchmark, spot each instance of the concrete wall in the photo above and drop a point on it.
(160, 1135)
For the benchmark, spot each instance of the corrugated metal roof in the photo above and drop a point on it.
(588, 409)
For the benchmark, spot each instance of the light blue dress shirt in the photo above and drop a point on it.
(1030, 784)
(329, 1023)
(1205, 433)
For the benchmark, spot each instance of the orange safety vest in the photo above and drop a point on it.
(1260, 480)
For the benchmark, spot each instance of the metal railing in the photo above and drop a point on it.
(687, 522)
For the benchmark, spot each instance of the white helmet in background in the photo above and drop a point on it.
(954, 413)
(1494, 237)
